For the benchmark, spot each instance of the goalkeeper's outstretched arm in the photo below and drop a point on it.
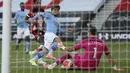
(112, 62)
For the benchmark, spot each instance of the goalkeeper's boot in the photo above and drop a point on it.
(51, 66)
(33, 63)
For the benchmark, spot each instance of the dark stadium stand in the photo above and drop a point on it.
(117, 26)
(80, 25)
(119, 19)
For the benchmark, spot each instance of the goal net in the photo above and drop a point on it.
(110, 17)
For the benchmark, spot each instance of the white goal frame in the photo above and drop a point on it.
(6, 36)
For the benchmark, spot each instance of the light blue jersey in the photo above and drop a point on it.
(52, 23)
(20, 16)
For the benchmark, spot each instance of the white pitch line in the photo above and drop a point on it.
(18, 62)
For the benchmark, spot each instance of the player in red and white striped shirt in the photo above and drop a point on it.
(37, 27)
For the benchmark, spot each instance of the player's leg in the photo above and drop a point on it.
(39, 49)
(34, 32)
(59, 42)
(48, 43)
(41, 36)
(53, 47)
(41, 41)
(19, 36)
(35, 59)
(18, 40)
(51, 50)
(40, 61)
(56, 43)
(39, 54)
(78, 61)
(34, 52)
(71, 55)
(59, 61)
(27, 39)
(50, 47)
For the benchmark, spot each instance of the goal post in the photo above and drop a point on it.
(6, 36)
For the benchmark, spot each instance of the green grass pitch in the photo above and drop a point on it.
(19, 60)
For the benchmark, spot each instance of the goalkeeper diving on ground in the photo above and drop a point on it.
(93, 50)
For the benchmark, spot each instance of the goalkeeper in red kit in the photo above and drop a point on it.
(93, 50)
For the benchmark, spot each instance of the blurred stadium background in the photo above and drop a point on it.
(111, 17)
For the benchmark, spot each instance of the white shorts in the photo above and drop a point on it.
(22, 32)
(48, 39)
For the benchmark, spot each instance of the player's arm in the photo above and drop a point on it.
(40, 14)
(15, 18)
(28, 18)
(112, 62)
(65, 30)
(61, 30)
(110, 59)
(76, 47)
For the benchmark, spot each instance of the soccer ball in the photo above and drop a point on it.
(67, 64)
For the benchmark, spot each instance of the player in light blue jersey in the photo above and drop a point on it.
(23, 31)
(51, 40)
(52, 23)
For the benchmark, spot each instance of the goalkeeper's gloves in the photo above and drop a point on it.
(117, 69)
